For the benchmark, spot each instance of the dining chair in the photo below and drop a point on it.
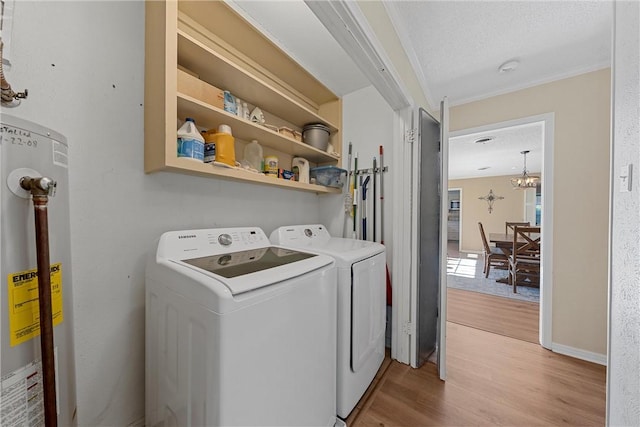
(508, 226)
(524, 261)
(493, 257)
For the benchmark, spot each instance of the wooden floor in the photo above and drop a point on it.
(497, 374)
(491, 380)
(503, 316)
(355, 413)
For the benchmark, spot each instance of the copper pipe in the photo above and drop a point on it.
(46, 315)
(40, 188)
(7, 94)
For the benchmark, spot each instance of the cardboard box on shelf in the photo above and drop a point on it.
(196, 88)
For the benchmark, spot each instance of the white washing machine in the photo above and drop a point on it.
(239, 332)
(361, 305)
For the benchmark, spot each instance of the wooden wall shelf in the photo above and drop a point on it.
(193, 167)
(232, 56)
(210, 116)
(213, 68)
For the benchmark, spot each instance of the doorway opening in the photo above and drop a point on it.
(497, 142)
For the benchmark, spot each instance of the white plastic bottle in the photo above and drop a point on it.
(239, 110)
(190, 141)
(300, 168)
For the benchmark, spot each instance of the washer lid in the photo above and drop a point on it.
(315, 237)
(241, 258)
(348, 251)
(245, 262)
(255, 268)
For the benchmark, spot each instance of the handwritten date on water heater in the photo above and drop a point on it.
(18, 137)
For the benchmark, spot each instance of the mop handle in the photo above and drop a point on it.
(374, 199)
(355, 193)
(348, 203)
(364, 207)
(381, 195)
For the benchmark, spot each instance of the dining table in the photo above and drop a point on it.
(504, 242)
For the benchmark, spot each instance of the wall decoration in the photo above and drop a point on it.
(490, 198)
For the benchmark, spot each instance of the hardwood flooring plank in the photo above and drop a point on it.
(503, 316)
(364, 401)
(556, 386)
(491, 380)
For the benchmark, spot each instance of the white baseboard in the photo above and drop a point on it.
(589, 356)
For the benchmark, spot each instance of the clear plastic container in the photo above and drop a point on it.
(329, 176)
(253, 155)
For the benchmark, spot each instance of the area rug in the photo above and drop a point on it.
(465, 272)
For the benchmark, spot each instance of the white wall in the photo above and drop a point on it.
(83, 63)
(623, 388)
(367, 123)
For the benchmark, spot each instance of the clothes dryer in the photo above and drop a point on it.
(361, 305)
(239, 332)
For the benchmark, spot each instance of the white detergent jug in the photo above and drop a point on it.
(300, 168)
(190, 141)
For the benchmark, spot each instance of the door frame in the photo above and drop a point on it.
(546, 282)
(402, 250)
(444, 174)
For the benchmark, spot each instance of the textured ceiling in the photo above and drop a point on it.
(501, 155)
(459, 45)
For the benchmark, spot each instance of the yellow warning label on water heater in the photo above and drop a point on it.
(24, 311)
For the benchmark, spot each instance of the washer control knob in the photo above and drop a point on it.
(308, 232)
(225, 239)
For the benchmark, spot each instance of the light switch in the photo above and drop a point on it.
(625, 178)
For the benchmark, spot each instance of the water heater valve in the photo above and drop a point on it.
(41, 186)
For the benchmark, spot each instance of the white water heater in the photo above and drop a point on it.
(28, 149)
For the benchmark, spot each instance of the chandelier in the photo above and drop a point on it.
(525, 180)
